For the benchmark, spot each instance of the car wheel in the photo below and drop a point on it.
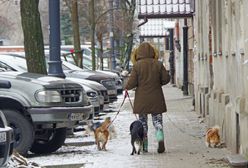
(54, 140)
(23, 130)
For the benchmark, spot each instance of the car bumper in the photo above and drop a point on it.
(95, 102)
(119, 86)
(112, 98)
(112, 95)
(6, 144)
(66, 115)
(119, 91)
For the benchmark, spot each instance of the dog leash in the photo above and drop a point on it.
(126, 92)
(122, 103)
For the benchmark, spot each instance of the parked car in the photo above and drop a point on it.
(16, 62)
(6, 134)
(118, 80)
(94, 100)
(99, 88)
(41, 108)
(87, 65)
(70, 70)
(108, 82)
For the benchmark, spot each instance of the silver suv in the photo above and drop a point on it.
(40, 109)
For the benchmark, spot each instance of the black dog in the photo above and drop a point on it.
(137, 135)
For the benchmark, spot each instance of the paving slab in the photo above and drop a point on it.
(184, 135)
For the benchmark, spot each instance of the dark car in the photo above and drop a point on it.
(67, 56)
(108, 82)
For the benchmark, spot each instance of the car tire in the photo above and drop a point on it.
(23, 130)
(50, 144)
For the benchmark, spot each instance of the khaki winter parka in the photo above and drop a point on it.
(148, 76)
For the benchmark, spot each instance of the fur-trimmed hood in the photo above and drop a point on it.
(145, 50)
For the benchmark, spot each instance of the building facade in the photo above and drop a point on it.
(221, 68)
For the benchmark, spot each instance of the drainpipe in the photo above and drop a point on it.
(54, 63)
(171, 58)
(185, 58)
(144, 22)
(142, 39)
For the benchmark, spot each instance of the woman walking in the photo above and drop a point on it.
(147, 77)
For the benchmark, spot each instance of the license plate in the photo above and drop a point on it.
(2, 136)
(112, 92)
(76, 116)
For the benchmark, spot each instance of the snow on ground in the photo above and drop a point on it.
(86, 152)
(184, 148)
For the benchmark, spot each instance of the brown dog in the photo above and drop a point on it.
(102, 134)
(212, 138)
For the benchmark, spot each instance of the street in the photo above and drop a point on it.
(184, 135)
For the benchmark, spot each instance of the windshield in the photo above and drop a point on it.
(71, 66)
(9, 62)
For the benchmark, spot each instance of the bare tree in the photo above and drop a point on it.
(101, 29)
(92, 32)
(127, 26)
(73, 7)
(33, 37)
(5, 26)
(94, 19)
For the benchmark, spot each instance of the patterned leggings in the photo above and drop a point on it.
(157, 120)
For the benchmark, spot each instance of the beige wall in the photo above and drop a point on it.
(225, 102)
(179, 56)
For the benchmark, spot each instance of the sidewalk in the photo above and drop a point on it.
(183, 134)
(184, 139)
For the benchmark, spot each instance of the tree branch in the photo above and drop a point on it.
(104, 13)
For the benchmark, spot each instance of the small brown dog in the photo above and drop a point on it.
(212, 138)
(102, 134)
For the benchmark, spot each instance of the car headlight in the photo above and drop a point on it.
(48, 96)
(91, 94)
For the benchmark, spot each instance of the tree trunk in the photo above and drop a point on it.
(92, 34)
(76, 35)
(128, 51)
(128, 11)
(100, 53)
(33, 37)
